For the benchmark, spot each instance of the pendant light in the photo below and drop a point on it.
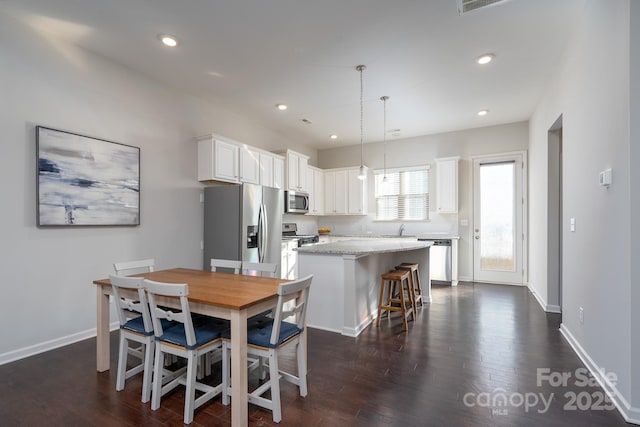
(384, 137)
(363, 172)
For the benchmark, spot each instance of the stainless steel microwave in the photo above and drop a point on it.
(296, 202)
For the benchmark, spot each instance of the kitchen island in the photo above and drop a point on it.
(346, 279)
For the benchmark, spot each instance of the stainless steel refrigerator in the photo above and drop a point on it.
(243, 222)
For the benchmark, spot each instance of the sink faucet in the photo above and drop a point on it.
(401, 230)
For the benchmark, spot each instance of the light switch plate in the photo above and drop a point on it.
(572, 224)
(464, 222)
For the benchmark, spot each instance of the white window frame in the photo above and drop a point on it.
(380, 172)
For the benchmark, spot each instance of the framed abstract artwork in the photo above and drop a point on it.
(85, 181)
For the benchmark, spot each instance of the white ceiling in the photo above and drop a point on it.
(253, 54)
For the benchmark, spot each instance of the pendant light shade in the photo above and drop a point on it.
(384, 136)
(363, 171)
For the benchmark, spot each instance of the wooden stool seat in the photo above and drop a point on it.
(416, 286)
(390, 301)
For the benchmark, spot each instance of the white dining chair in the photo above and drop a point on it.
(265, 337)
(186, 340)
(135, 326)
(259, 269)
(226, 265)
(125, 268)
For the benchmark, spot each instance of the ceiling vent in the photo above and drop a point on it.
(465, 6)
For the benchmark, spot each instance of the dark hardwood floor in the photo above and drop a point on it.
(474, 342)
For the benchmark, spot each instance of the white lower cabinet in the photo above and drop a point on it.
(289, 260)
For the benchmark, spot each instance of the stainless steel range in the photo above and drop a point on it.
(290, 231)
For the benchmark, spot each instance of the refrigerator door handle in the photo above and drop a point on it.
(260, 232)
(265, 232)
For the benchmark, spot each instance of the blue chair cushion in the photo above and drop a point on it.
(257, 321)
(203, 320)
(137, 325)
(259, 332)
(204, 334)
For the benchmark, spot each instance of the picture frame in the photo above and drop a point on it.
(85, 181)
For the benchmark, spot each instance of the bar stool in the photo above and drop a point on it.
(416, 287)
(403, 298)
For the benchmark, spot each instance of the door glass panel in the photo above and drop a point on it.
(497, 216)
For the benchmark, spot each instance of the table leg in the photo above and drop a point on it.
(239, 375)
(102, 330)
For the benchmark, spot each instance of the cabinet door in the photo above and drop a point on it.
(226, 161)
(340, 192)
(318, 191)
(303, 164)
(312, 194)
(266, 170)
(293, 180)
(249, 165)
(356, 192)
(278, 172)
(447, 185)
(329, 194)
(206, 160)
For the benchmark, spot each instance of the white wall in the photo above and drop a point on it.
(591, 92)
(47, 273)
(634, 195)
(420, 151)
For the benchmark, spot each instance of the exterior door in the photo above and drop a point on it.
(498, 221)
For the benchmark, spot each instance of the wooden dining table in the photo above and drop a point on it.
(228, 296)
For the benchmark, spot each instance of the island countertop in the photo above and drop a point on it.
(364, 246)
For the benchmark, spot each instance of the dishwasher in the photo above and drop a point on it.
(440, 260)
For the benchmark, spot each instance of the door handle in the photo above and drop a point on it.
(265, 232)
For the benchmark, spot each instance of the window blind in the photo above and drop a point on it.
(405, 195)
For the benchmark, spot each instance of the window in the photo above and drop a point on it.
(405, 195)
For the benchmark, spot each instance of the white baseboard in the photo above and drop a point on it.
(354, 332)
(630, 414)
(553, 309)
(546, 307)
(465, 279)
(32, 350)
(324, 328)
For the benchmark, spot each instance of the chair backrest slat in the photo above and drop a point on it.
(131, 267)
(286, 292)
(226, 264)
(155, 289)
(126, 307)
(261, 268)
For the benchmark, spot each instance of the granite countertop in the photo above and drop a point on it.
(433, 235)
(363, 246)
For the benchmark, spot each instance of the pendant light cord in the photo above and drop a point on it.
(384, 136)
(361, 68)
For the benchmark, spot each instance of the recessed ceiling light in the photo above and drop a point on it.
(281, 107)
(333, 136)
(486, 58)
(168, 40)
(483, 112)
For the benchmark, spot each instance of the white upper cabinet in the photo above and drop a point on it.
(271, 170)
(447, 185)
(218, 160)
(315, 184)
(357, 193)
(335, 192)
(249, 165)
(344, 193)
(222, 159)
(296, 177)
(278, 172)
(266, 169)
